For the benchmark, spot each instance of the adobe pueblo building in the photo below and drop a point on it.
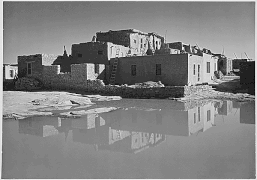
(123, 57)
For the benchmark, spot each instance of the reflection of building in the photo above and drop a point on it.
(236, 104)
(247, 113)
(131, 142)
(208, 113)
(90, 130)
(226, 108)
(43, 126)
(93, 130)
(166, 121)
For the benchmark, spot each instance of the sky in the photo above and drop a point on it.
(45, 27)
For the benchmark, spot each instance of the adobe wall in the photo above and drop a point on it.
(174, 69)
(208, 76)
(90, 52)
(81, 77)
(37, 67)
(7, 71)
(116, 37)
(247, 75)
(91, 74)
(195, 60)
(48, 59)
(138, 44)
(236, 63)
(112, 50)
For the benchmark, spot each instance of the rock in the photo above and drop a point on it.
(80, 107)
(54, 108)
(150, 84)
(33, 113)
(90, 111)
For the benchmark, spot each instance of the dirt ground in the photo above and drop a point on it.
(21, 104)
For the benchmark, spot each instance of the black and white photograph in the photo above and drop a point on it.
(128, 90)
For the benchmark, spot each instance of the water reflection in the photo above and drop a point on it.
(42, 126)
(226, 108)
(132, 130)
(247, 113)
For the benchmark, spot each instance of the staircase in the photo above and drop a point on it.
(114, 68)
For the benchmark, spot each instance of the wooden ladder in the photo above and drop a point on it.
(114, 68)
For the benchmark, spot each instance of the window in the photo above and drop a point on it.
(208, 115)
(29, 68)
(79, 55)
(135, 41)
(199, 113)
(194, 118)
(194, 69)
(133, 70)
(158, 69)
(100, 52)
(208, 67)
(198, 72)
(97, 68)
(11, 73)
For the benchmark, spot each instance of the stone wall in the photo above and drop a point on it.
(154, 92)
(188, 90)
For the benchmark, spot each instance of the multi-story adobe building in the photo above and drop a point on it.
(187, 66)
(138, 42)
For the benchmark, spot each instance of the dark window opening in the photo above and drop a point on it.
(11, 73)
(79, 55)
(208, 115)
(208, 67)
(199, 113)
(97, 68)
(135, 41)
(100, 52)
(198, 72)
(29, 68)
(194, 118)
(133, 70)
(194, 69)
(158, 69)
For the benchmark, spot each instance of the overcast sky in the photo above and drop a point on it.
(45, 27)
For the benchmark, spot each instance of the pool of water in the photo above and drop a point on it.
(142, 139)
